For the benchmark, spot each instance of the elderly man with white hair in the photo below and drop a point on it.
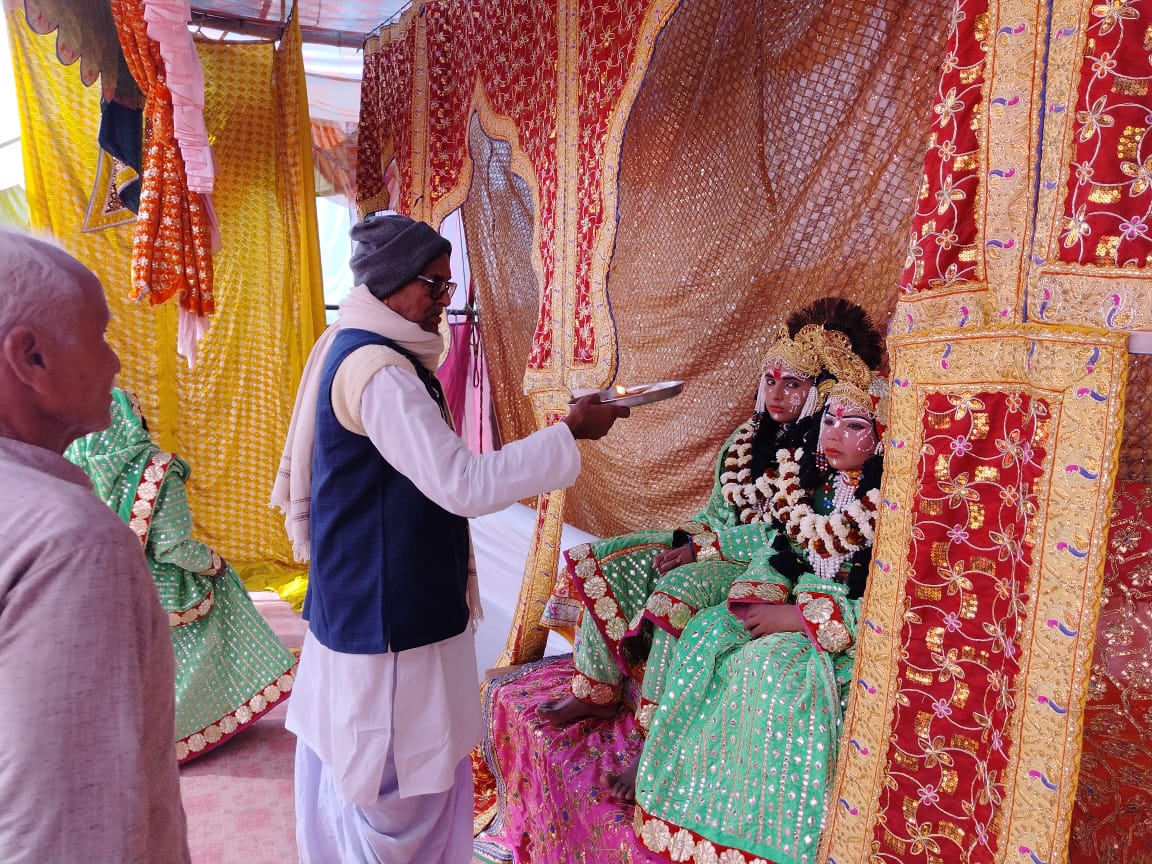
(87, 768)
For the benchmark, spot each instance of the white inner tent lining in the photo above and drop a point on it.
(502, 541)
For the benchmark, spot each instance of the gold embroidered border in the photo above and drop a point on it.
(595, 692)
(1014, 87)
(526, 637)
(669, 613)
(1109, 297)
(180, 619)
(567, 189)
(823, 622)
(757, 592)
(227, 726)
(644, 712)
(420, 206)
(1009, 117)
(706, 547)
(599, 599)
(147, 490)
(683, 844)
(1082, 375)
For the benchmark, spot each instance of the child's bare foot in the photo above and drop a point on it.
(623, 785)
(570, 709)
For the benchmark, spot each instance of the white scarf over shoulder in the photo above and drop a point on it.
(292, 492)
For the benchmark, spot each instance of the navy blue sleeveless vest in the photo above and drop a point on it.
(389, 566)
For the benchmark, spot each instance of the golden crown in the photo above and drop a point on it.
(799, 355)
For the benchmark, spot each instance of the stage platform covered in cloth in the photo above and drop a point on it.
(555, 806)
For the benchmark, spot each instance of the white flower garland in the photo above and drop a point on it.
(844, 531)
(737, 486)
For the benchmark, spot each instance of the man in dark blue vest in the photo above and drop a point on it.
(377, 489)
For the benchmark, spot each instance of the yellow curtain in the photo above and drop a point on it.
(14, 207)
(228, 416)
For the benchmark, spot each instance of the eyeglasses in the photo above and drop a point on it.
(438, 286)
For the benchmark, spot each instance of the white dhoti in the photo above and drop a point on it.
(383, 774)
(422, 829)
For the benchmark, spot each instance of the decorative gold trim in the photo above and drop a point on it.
(567, 208)
(667, 612)
(180, 619)
(644, 712)
(526, 636)
(1014, 78)
(592, 691)
(763, 592)
(1081, 374)
(683, 844)
(971, 306)
(215, 734)
(706, 547)
(147, 491)
(419, 207)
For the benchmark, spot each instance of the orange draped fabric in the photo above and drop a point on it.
(171, 249)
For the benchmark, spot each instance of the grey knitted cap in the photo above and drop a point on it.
(391, 250)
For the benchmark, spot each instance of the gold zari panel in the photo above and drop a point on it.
(1025, 591)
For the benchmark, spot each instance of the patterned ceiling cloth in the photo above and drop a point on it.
(344, 22)
(228, 415)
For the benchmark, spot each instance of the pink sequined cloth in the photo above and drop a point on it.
(554, 807)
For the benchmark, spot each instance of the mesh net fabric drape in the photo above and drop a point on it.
(497, 218)
(769, 158)
(1136, 447)
(743, 194)
(227, 416)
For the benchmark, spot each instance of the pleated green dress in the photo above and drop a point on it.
(230, 667)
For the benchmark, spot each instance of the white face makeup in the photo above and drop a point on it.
(847, 437)
(784, 394)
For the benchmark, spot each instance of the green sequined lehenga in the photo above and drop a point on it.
(620, 588)
(230, 667)
(743, 744)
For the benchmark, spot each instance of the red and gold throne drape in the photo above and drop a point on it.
(1027, 223)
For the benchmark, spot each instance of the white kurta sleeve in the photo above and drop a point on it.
(405, 424)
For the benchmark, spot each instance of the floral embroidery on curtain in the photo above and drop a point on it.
(963, 731)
